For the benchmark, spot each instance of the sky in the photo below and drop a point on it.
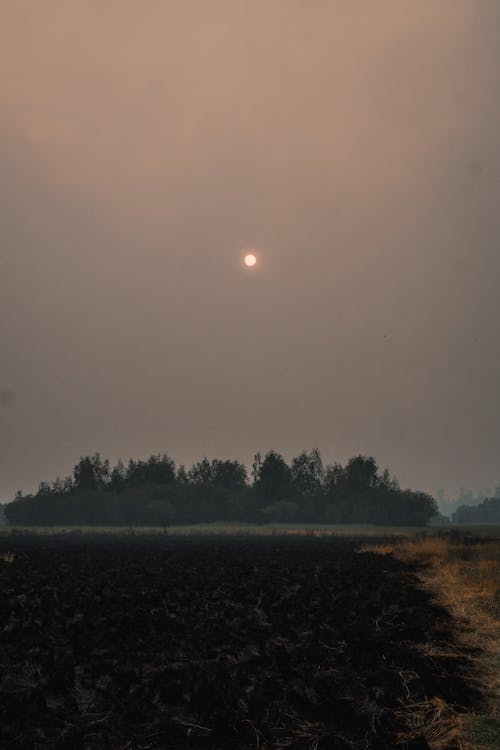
(354, 146)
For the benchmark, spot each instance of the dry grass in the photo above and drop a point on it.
(463, 574)
(436, 721)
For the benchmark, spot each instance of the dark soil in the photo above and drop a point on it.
(210, 643)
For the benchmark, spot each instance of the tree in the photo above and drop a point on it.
(416, 508)
(118, 477)
(486, 512)
(387, 482)
(307, 473)
(91, 473)
(201, 472)
(334, 478)
(158, 469)
(274, 480)
(153, 492)
(182, 477)
(361, 473)
(229, 474)
(257, 463)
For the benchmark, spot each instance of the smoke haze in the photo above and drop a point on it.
(354, 146)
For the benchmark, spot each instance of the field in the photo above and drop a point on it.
(249, 529)
(275, 641)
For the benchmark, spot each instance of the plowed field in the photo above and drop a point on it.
(204, 643)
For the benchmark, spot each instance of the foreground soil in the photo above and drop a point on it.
(204, 643)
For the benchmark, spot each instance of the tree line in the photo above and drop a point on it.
(488, 511)
(155, 492)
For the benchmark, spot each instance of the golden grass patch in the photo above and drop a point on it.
(463, 574)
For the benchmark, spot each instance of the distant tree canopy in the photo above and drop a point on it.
(486, 512)
(156, 492)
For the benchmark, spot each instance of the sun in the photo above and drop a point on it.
(250, 260)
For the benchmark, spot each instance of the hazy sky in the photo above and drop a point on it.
(355, 146)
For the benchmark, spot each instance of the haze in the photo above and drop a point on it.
(355, 146)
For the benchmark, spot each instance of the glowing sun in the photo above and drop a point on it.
(250, 260)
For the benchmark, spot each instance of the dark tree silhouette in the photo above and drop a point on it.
(91, 473)
(307, 473)
(274, 478)
(155, 492)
